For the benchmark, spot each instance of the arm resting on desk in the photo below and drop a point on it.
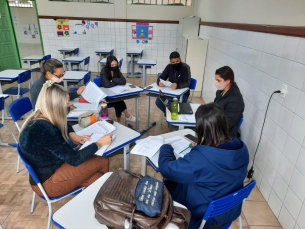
(164, 75)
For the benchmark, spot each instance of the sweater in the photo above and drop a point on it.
(233, 105)
(206, 173)
(104, 81)
(46, 150)
(182, 76)
(36, 88)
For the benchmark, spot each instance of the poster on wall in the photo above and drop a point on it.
(79, 29)
(62, 28)
(83, 26)
(142, 31)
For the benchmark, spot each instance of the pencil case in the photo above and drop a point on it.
(88, 118)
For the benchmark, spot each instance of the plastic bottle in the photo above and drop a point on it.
(174, 114)
(104, 112)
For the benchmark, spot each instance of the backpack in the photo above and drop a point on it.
(115, 205)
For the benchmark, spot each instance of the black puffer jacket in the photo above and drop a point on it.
(233, 105)
(105, 82)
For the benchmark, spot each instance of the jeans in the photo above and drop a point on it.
(161, 106)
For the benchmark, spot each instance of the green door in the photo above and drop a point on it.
(9, 55)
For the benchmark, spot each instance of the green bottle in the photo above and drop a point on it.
(174, 114)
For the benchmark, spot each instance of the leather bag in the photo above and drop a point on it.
(115, 205)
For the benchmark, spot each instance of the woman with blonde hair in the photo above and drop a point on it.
(44, 144)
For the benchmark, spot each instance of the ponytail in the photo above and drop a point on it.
(50, 66)
(226, 73)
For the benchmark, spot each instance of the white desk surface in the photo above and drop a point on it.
(123, 134)
(169, 120)
(166, 90)
(103, 61)
(79, 212)
(73, 115)
(10, 74)
(33, 57)
(74, 75)
(110, 94)
(105, 50)
(75, 59)
(134, 51)
(69, 49)
(155, 158)
(147, 62)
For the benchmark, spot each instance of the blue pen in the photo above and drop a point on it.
(190, 146)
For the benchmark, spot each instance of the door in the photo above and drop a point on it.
(9, 55)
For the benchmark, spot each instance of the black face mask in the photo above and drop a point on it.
(113, 68)
(177, 66)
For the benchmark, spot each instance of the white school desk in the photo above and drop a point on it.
(74, 59)
(123, 137)
(154, 92)
(146, 64)
(132, 53)
(79, 212)
(114, 97)
(67, 50)
(154, 160)
(73, 115)
(103, 52)
(73, 76)
(180, 123)
(32, 60)
(9, 76)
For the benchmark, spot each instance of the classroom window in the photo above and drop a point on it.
(23, 4)
(161, 2)
(86, 1)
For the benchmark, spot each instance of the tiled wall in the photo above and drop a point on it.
(112, 34)
(262, 63)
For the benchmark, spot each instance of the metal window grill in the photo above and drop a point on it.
(22, 4)
(86, 1)
(161, 2)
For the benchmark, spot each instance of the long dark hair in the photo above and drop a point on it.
(211, 125)
(226, 73)
(50, 66)
(116, 74)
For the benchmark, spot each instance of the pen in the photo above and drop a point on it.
(190, 146)
(74, 106)
(85, 140)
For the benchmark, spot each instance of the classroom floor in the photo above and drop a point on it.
(16, 194)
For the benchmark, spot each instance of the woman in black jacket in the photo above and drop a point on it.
(111, 76)
(229, 98)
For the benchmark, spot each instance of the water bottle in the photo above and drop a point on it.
(104, 112)
(174, 114)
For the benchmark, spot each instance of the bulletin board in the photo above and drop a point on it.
(62, 28)
(142, 31)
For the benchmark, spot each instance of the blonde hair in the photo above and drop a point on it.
(52, 106)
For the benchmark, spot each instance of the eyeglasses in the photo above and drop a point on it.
(60, 76)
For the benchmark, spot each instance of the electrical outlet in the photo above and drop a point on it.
(283, 90)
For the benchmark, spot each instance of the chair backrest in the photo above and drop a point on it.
(228, 202)
(47, 57)
(97, 81)
(24, 76)
(241, 121)
(76, 51)
(2, 102)
(141, 54)
(87, 78)
(87, 60)
(120, 63)
(193, 84)
(159, 74)
(20, 107)
(111, 53)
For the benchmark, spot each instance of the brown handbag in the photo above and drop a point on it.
(114, 204)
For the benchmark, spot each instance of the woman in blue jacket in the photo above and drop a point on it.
(215, 167)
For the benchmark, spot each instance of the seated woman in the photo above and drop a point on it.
(215, 167)
(111, 76)
(229, 98)
(44, 144)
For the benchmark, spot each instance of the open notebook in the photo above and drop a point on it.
(93, 94)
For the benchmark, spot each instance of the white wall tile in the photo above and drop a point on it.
(285, 169)
(297, 184)
(300, 54)
(300, 162)
(279, 138)
(269, 172)
(297, 129)
(280, 187)
(275, 203)
(292, 203)
(284, 70)
(297, 76)
(274, 156)
(290, 48)
(291, 99)
(278, 45)
(291, 149)
(301, 218)
(286, 219)
(265, 188)
(285, 118)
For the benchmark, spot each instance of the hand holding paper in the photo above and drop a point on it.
(93, 94)
(166, 83)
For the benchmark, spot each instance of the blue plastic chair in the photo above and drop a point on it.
(76, 51)
(159, 74)
(120, 63)
(97, 80)
(18, 91)
(86, 80)
(226, 203)
(45, 197)
(192, 87)
(17, 109)
(86, 65)
(2, 107)
(241, 121)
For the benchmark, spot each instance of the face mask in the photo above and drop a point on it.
(177, 66)
(220, 86)
(113, 68)
(56, 79)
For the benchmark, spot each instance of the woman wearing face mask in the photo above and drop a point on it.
(53, 70)
(111, 76)
(229, 98)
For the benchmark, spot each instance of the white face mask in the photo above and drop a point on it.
(57, 80)
(220, 86)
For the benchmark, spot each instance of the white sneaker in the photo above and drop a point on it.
(131, 118)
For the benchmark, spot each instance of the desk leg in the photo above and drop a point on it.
(148, 111)
(66, 85)
(137, 114)
(1, 92)
(132, 68)
(144, 166)
(31, 81)
(144, 76)
(181, 98)
(99, 64)
(126, 157)
(64, 55)
(70, 68)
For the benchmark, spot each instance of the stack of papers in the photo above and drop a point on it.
(166, 83)
(187, 118)
(119, 89)
(180, 145)
(93, 94)
(86, 106)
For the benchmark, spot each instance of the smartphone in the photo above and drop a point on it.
(132, 86)
(191, 137)
(149, 87)
(110, 121)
